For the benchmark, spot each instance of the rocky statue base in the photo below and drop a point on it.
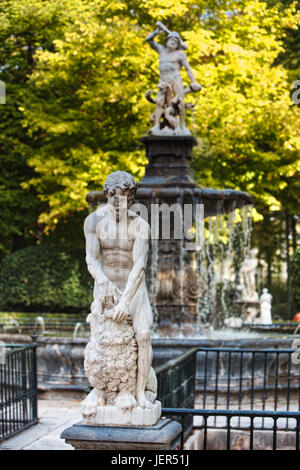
(165, 435)
(114, 416)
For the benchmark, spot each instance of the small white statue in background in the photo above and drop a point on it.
(247, 273)
(265, 308)
(171, 92)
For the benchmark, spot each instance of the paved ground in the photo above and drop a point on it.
(55, 416)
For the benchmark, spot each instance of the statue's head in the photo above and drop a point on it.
(254, 252)
(120, 186)
(173, 41)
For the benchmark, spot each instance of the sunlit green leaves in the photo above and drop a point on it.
(80, 70)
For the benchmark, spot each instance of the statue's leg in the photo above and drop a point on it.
(142, 324)
(179, 93)
(181, 107)
(159, 109)
(143, 339)
(151, 386)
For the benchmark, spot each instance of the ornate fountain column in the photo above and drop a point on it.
(171, 274)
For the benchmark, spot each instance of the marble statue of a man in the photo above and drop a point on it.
(119, 355)
(170, 99)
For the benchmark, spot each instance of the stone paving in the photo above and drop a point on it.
(55, 416)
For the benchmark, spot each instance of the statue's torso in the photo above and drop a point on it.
(116, 252)
(116, 257)
(169, 65)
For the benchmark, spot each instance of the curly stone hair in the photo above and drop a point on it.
(119, 179)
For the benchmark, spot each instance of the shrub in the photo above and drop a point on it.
(43, 278)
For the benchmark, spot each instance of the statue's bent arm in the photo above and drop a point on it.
(137, 273)
(93, 250)
(155, 45)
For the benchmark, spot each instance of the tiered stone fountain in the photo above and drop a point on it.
(175, 280)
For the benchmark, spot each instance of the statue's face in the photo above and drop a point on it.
(172, 43)
(121, 200)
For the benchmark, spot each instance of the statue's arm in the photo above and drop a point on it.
(186, 65)
(137, 274)
(93, 250)
(155, 45)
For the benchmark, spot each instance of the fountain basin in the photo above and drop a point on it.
(216, 201)
(168, 179)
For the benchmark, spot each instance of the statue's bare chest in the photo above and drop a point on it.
(114, 236)
(171, 58)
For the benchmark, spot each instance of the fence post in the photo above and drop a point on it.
(24, 384)
(34, 380)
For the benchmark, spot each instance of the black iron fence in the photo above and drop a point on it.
(249, 379)
(229, 435)
(176, 381)
(18, 389)
(245, 398)
(176, 384)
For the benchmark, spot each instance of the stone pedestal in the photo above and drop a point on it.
(169, 162)
(114, 416)
(165, 435)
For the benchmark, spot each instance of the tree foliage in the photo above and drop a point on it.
(25, 27)
(45, 279)
(82, 68)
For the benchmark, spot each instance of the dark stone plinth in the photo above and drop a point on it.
(169, 158)
(165, 435)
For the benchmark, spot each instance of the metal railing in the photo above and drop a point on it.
(229, 435)
(18, 389)
(262, 379)
(55, 322)
(176, 380)
(249, 398)
(176, 383)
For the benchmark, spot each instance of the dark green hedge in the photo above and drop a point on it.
(42, 278)
(295, 280)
